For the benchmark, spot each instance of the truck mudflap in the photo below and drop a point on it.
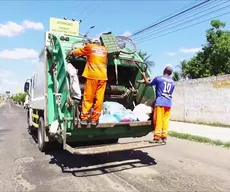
(107, 148)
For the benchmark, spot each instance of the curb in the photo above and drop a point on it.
(199, 139)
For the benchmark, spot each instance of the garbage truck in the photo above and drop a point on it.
(52, 112)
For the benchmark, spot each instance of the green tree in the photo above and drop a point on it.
(182, 69)
(145, 57)
(214, 59)
(176, 76)
(19, 97)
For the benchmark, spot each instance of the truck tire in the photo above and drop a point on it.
(112, 141)
(42, 145)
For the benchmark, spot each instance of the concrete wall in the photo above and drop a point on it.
(205, 100)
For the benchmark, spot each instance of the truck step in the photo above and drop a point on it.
(107, 148)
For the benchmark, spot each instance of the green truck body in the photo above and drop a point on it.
(54, 103)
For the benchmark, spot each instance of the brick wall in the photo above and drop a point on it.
(205, 100)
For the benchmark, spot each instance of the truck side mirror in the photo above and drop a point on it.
(26, 86)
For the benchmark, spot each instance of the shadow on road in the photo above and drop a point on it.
(92, 165)
(99, 164)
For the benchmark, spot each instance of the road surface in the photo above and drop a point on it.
(179, 166)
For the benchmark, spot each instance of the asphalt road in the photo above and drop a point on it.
(178, 166)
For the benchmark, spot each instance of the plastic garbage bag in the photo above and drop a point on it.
(107, 118)
(125, 116)
(74, 81)
(112, 107)
(142, 112)
(129, 116)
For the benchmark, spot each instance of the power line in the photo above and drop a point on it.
(84, 10)
(167, 23)
(92, 11)
(80, 4)
(185, 27)
(190, 4)
(77, 8)
(180, 13)
(180, 23)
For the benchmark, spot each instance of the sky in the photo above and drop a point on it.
(23, 24)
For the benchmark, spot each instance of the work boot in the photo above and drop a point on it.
(94, 123)
(155, 141)
(84, 122)
(77, 101)
(164, 140)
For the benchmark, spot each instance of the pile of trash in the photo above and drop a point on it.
(114, 112)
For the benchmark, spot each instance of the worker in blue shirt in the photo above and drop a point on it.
(164, 87)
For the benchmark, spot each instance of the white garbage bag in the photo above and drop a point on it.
(142, 112)
(74, 82)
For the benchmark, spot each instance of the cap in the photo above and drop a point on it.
(95, 40)
(168, 68)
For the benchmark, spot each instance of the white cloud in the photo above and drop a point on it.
(32, 25)
(191, 50)
(6, 74)
(170, 53)
(11, 29)
(18, 53)
(126, 34)
(6, 80)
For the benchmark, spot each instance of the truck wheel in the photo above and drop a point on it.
(41, 135)
(112, 141)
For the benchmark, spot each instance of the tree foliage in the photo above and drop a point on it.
(214, 58)
(20, 97)
(145, 57)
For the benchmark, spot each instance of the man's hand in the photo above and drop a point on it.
(69, 55)
(143, 74)
(69, 52)
(141, 81)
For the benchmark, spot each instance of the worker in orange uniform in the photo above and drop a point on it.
(95, 73)
(164, 86)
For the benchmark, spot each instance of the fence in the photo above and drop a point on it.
(204, 100)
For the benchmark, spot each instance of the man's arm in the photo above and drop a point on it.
(83, 51)
(148, 81)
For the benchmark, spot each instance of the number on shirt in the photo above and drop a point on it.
(167, 87)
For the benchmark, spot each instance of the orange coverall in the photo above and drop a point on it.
(161, 118)
(95, 73)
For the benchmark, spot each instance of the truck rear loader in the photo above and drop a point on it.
(54, 115)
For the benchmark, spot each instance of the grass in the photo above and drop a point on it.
(203, 123)
(199, 139)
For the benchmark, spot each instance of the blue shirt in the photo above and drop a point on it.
(164, 90)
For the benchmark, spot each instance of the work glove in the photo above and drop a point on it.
(141, 81)
(69, 55)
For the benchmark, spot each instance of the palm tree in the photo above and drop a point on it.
(145, 57)
(182, 66)
(176, 76)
